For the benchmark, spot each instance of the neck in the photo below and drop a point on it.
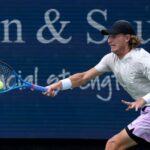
(122, 53)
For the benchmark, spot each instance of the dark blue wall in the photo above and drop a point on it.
(50, 40)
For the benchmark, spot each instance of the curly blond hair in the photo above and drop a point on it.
(134, 41)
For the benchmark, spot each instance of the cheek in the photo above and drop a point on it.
(120, 42)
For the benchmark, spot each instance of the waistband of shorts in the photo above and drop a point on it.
(145, 108)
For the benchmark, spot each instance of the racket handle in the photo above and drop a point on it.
(39, 88)
(42, 89)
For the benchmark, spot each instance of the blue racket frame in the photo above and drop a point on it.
(24, 84)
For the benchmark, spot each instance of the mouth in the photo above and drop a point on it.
(112, 46)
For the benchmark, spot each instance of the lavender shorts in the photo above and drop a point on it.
(139, 129)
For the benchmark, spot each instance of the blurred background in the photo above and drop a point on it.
(49, 40)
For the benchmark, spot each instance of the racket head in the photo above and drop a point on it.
(7, 77)
(10, 78)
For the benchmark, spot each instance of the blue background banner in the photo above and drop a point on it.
(48, 40)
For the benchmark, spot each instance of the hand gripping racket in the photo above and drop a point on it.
(9, 78)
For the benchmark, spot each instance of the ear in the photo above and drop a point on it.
(128, 36)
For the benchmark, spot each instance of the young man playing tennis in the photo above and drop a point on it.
(131, 67)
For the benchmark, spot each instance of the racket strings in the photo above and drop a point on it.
(7, 76)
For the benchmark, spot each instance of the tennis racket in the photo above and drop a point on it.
(10, 78)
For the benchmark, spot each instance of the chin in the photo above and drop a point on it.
(113, 50)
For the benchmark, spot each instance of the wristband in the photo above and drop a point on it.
(66, 84)
(147, 98)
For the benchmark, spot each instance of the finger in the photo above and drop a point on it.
(128, 108)
(48, 90)
(136, 108)
(55, 92)
(51, 93)
(131, 105)
(126, 102)
(44, 93)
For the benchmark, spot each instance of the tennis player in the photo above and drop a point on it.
(131, 67)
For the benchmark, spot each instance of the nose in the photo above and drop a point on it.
(109, 40)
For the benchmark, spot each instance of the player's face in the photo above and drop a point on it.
(118, 43)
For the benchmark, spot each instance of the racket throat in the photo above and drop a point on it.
(32, 87)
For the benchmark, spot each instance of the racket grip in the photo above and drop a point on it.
(42, 89)
(39, 88)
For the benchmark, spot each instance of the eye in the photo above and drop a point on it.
(111, 36)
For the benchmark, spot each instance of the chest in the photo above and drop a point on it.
(127, 73)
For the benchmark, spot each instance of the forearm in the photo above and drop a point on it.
(73, 81)
(79, 79)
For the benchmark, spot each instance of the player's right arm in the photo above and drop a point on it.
(73, 81)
